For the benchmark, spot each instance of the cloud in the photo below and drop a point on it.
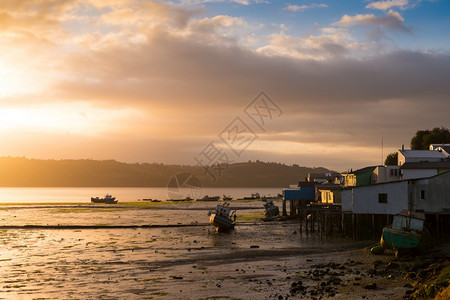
(385, 5)
(392, 20)
(187, 76)
(296, 8)
(329, 43)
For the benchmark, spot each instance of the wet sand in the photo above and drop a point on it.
(184, 260)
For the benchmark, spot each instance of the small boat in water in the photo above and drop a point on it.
(208, 198)
(253, 196)
(407, 232)
(222, 218)
(149, 200)
(108, 199)
(227, 198)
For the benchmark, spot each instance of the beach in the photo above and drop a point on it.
(169, 251)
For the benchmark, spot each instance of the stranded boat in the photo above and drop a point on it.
(221, 218)
(407, 232)
(108, 199)
(272, 211)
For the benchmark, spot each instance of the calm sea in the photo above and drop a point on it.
(80, 195)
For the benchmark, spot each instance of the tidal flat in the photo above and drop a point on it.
(170, 251)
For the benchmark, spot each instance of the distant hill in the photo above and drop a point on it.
(23, 172)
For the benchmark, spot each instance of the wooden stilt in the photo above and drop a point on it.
(437, 225)
(373, 226)
(300, 217)
(307, 221)
(353, 227)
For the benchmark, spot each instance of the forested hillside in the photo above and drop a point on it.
(23, 172)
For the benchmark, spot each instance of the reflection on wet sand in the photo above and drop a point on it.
(56, 259)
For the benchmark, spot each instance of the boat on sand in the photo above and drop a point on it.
(271, 210)
(222, 218)
(108, 199)
(407, 232)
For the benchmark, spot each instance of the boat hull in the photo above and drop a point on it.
(400, 239)
(221, 223)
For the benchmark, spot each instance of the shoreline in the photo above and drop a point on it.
(171, 252)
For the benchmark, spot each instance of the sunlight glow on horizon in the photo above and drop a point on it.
(57, 118)
(158, 80)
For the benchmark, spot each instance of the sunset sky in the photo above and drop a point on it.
(153, 81)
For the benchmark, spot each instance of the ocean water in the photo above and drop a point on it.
(84, 194)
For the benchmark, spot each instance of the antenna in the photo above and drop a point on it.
(382, 162)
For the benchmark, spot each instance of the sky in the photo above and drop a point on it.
(338, 84)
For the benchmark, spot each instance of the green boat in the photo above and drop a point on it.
(406, 232)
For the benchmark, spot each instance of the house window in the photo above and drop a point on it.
(382, 198)
(422, 194)
(392, 172)
(395, 172)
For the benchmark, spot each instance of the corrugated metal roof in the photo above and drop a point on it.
(422, 153)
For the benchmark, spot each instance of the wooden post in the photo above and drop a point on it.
(373, 226)
(300, 215)
(437, 225)
(353, 227)
(284, 207)
(320, 222)
(316, 218)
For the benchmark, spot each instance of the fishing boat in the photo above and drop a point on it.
(227, 198)
(208, 198)
(407, 232)
(222, 218)
(271, 210)
(108, 199)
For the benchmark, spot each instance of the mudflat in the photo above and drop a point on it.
(105, 252)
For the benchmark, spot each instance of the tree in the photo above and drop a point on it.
(391, 159)
(423, 138)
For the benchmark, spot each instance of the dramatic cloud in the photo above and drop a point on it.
(153, 81)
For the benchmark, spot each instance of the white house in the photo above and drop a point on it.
(430, 195)
(422, 163)
(385, 174)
